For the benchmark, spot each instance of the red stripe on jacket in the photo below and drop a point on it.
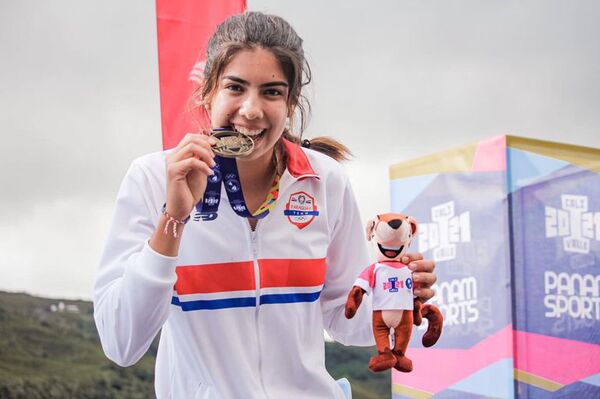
(291, 272)
(218, 277)
(239, 276)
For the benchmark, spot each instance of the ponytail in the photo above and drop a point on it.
(323, 144)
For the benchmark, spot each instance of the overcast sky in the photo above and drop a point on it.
(395, 80)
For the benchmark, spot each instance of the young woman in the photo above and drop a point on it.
(242, 298)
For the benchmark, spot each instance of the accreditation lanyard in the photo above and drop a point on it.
(226, 172)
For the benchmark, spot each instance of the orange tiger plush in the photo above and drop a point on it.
(391, 284)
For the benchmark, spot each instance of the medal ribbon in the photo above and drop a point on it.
(226, 172)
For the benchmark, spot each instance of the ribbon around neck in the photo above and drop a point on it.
(226, 172)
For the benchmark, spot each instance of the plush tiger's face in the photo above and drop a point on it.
(391, 234)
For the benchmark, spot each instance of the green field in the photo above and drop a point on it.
(45, 354)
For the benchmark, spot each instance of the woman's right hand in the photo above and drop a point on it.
(188, 168)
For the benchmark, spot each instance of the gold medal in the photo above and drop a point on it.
(232, 144)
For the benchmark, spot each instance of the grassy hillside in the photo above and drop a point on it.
(45, 354)
(352, 363)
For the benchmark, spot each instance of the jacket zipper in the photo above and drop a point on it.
(254, 248)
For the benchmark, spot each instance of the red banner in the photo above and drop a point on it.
(184, 28)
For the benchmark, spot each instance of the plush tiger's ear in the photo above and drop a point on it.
(370, 227)
(413, 225)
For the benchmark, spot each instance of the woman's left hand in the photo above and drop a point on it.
(422, 274)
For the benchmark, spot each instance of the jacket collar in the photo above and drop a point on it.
(297, 162)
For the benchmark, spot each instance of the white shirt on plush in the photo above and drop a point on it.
(391, 284)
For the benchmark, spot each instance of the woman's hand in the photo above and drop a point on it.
(422, 274)
(188, 167)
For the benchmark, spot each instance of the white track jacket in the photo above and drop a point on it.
(242, 312)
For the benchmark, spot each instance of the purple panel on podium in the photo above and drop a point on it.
(514, 227)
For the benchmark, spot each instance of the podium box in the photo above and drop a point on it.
(514, 226)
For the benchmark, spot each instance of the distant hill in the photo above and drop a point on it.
(50, 349)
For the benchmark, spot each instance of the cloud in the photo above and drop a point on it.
(79, 99)
(55, 249)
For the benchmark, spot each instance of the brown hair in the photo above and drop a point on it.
(254, 29)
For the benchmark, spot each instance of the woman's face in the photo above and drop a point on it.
(251, 97)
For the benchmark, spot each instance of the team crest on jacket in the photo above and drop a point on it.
(301, 209)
